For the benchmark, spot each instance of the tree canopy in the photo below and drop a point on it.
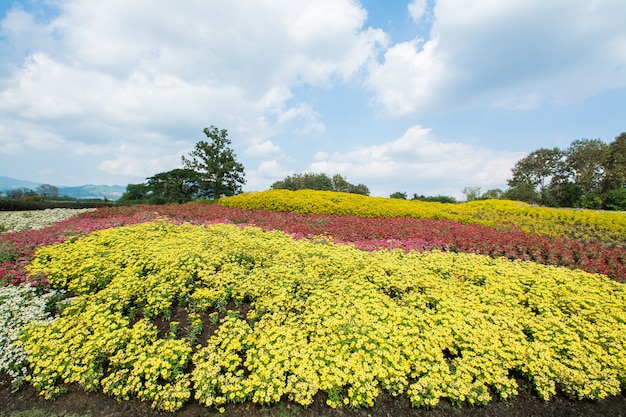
(215, 162)
(583, 175)
(211, 171)
(315, 181)
(175, 186)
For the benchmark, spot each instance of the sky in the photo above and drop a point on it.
(423, 97)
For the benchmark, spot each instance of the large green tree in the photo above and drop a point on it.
(175, 186)
(135, 193)
(615, 176)
(580, 174)
(533, 173)
(215, 161)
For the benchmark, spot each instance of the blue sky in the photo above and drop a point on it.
(424, 97)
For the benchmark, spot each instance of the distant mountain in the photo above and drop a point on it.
(8, 183)
(111, 192)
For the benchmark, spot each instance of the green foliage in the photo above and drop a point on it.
(435, 199)
(582, 175)
(616, 200)
(492, 194)
(135, 193)
(175, 186)
(615, 175)
(220, 173)
(584, 164)
(399, 195)
(211, 171)
(589, 201)
(8, 252)
(321, 182)
(533, 172)
(471, 193)
(305, 181)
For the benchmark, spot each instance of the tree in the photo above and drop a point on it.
(521, 192)
(220, 173)
(47, 191)
(615, 174)
(493, 194)
(616, 199)
(305, 181)
(584, 166)
(471, 193)
(360, 189)
(175, 186)
(533, 173)
(584, 175)
(315, 181)
(19, 193)
(135, 193)
(399, 195)
(435, 199)
(340, 184)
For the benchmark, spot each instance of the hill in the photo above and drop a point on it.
(111, 192)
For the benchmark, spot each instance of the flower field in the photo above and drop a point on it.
(221, 304)
(587, 225)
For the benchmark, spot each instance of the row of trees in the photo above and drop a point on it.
(210, 171)
(44, 192)
(588, 174)
(437, 198)
(314, 181)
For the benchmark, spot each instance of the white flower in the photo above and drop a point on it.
(11, 221)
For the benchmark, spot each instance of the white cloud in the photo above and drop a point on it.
(133, 161)
(411, 78)
(261, 148)
(498, 52)
(265, 174)
(128, 86)
(417, 162)
(22, 137)
(256, 45)
(417, 8)
(132, 69)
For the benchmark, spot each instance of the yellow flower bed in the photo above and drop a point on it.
(608, 227)
(318, 316)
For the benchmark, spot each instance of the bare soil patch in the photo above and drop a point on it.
(100, 405)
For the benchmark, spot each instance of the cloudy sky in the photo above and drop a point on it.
(423, 97)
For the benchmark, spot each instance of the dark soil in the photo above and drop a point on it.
(101, 405)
